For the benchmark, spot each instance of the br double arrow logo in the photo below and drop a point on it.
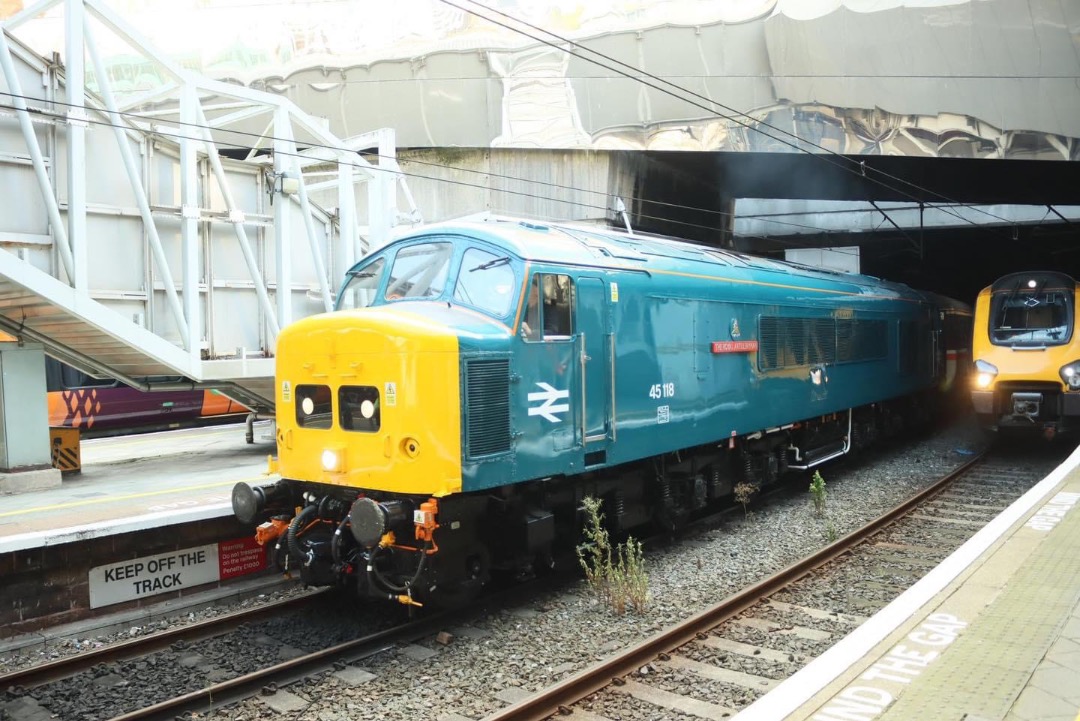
(548, 408)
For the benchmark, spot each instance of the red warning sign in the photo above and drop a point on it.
(240, 557)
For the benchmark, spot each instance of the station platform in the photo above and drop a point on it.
(136, 482)
(990, 634)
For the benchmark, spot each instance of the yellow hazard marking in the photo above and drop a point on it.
(65, 448)
(65, 459)
(130, 496)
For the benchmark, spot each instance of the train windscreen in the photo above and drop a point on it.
(1033, 309)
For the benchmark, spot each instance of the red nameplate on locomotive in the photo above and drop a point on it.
(734, 346)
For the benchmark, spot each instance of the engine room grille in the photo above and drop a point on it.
(487, 407)
(859, 340)
(787, 342)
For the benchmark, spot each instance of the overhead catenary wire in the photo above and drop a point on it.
(751, 123)
(754, 124)
(163, 132)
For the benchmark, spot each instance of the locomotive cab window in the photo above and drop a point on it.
(359, 408)
(419, 271)
(549, 307)
(314, 406)
(360, 291)
(485, 281)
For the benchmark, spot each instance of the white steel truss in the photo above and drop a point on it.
(174, 230)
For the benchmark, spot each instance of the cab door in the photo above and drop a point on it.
(596, 368)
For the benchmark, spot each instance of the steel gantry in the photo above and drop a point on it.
(159, 227)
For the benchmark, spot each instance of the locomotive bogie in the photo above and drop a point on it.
(482, 379)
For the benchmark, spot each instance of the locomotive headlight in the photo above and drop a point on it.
(984, 373)
(333, 459)
(1070, 373)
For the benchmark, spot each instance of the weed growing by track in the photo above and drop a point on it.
(616, 575)
(817, 490)
(743, 493)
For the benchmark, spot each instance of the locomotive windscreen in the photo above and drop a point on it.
(1032, 309)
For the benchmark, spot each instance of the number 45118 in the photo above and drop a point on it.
(662, 390)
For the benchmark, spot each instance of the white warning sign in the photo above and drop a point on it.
(151, 575)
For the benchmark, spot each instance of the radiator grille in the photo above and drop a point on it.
(487, 407)
(786, 342)
(859, 340)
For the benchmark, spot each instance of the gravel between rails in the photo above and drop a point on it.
(513, 652)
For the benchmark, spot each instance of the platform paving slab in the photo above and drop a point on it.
(1001, 667)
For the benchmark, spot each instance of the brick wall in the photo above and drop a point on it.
(48, 586)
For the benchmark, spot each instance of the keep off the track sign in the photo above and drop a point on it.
(173, 571)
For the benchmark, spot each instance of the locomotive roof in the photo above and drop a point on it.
(566, 243)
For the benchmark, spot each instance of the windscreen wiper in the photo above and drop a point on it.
(491, 263)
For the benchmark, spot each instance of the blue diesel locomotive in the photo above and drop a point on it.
(479, 379)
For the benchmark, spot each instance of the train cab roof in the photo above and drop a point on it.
(565, 243)
(1033, 281)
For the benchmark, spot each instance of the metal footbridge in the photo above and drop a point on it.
(164, 236)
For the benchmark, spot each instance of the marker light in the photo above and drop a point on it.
(985, 374)
(308, 405)
(1070, 373)
(367, 409)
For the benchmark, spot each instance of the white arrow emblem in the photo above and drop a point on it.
(548, 409)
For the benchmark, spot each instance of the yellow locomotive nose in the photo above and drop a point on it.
(369, 399)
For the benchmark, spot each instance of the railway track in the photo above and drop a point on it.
(187, 666)
(213, 663)
(710, 666)
(722, 659)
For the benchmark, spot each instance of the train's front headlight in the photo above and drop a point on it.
(333, 460)
(984, 373)
(1070, 373)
